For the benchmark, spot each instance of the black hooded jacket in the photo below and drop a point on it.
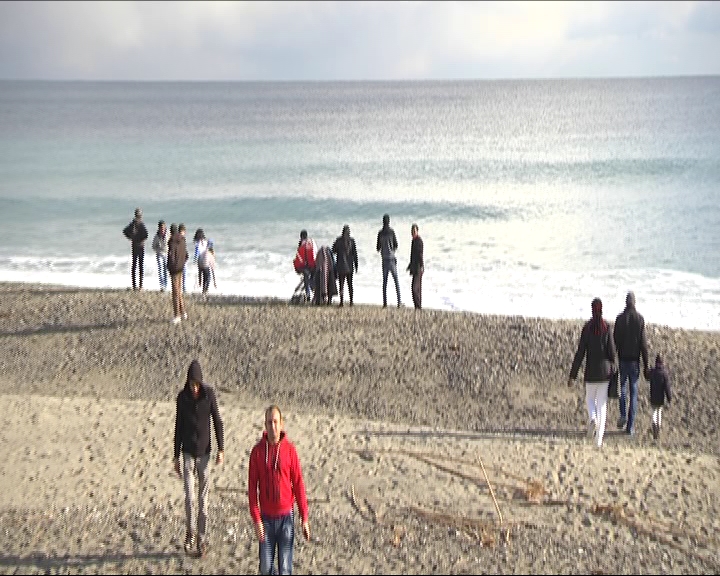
(192, 417)
(629, 336)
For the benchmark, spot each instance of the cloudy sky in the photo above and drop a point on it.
(356, 40)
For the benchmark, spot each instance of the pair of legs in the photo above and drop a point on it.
(347, 277)
(390, 267)
(279, 536)
(596, 400)
(656, 421)
(629, 375)
(417, 290)
(196, 523)
(176, 282)
(204, 279)
(308, 277)
(138, 257)
(162, 270)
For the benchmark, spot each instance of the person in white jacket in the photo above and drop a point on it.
(201, 245)
(160, 246)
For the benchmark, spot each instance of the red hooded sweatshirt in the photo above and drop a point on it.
(275, 479)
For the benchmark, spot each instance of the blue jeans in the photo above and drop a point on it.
(629, 372)
(307, 276)
(390, 267)
(280, 534)
(162, 270)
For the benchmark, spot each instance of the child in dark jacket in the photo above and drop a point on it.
(659, 391)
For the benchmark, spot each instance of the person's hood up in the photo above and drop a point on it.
(194, 373)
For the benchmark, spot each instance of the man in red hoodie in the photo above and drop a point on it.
(275, 483)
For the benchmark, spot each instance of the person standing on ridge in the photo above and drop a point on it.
(160, 246)
(416, 266)
(631, 344)
(387, 244)
(347, 260)
(137, 233)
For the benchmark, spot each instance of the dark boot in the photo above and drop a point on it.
(655, 431)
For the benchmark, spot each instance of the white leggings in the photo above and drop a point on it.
(657, 416)
(596, 399)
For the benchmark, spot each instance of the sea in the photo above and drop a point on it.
(532, 197)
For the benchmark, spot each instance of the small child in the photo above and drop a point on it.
(659, 390)
(206, 264)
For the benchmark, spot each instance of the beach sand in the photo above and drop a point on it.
(431, 442)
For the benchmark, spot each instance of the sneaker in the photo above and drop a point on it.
(176, 320)
(184, 316)
(591, 429)
(189, 543)
(621, 423)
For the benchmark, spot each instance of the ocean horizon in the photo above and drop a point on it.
(532, 196)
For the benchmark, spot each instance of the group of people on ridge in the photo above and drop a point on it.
(322, 271)
(620, 352)
(171, 255)
(275, 478)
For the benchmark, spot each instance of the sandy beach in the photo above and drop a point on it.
(431, 442)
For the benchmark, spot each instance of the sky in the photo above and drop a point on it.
(376, 40)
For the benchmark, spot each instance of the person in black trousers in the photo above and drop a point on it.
(416, 266)
(137, 233)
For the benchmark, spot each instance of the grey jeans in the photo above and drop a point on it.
(199, 466)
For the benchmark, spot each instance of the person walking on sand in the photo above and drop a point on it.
(631, 345)
(659, 391)
(416, 266)
(597, 347)
(160, 246)
(275, 484)
(200, 242)
(177, 256)
(347, 259)
(137, 233)
(196, 405)
(387, 244)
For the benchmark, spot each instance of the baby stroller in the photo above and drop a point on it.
(299, 295)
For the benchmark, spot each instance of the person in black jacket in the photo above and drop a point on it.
(416, 266)
(597, 347)
(659, 391)
(631, 345)
(137, 233)
(347, 260)
(196, 405)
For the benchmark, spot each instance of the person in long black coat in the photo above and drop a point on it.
(345, 251)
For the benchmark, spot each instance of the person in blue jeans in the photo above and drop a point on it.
(387, 244)
(631, 344)
(275, 484)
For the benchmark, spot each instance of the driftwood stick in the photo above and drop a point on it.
(492, 492)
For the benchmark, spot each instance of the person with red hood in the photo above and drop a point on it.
(597, 347)
(196, 405)
(275, 483)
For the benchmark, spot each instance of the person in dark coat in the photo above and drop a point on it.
(346, 260)
(597, 348)
(386, 245)
(631, 344)
(416, 266)
(177, 257)
(137, 233)
(325, 286)
(659, 391)
(196, 405)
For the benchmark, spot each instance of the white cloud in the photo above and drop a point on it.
(355, 40)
